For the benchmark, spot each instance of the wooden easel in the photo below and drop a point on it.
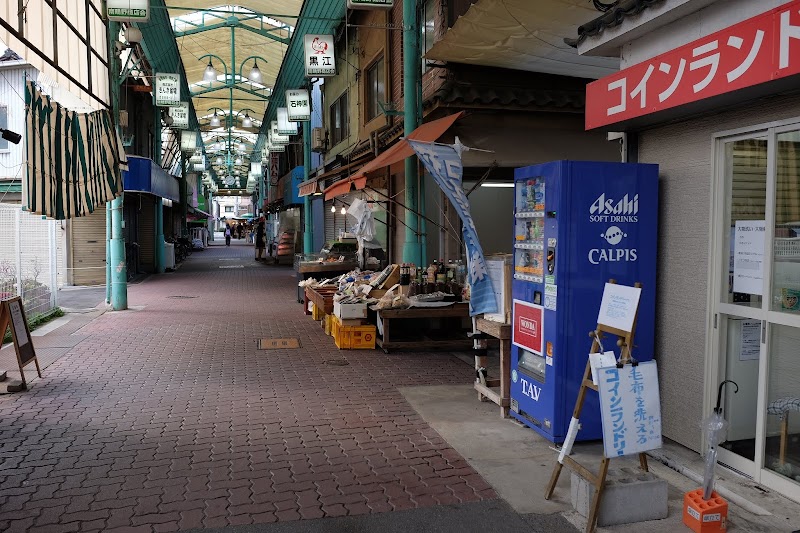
(625, 343)
(12, 314)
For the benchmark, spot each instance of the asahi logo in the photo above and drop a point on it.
(607, 209)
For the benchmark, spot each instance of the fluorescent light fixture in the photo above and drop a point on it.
(498, 185)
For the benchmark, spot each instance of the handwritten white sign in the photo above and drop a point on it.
(19, 323)
(618, 306)
(630, 409)
(748, 260)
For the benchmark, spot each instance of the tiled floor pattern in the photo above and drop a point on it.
(167, 417)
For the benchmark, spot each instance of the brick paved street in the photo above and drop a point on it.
(167, 416)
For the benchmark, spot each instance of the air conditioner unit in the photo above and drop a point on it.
(318, 139)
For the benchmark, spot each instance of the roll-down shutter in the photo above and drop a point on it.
(88, 255)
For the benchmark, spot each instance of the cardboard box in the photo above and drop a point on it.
(348, 311)
(499, 267)
(393, 278)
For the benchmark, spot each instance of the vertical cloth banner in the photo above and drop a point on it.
(74, 159)
(444, 164)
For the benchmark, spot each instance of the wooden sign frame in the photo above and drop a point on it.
(625, 343)
(12, 314)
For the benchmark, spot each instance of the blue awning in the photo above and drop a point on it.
(145, 176)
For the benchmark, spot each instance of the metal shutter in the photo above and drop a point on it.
(88, 257)
(147, 233)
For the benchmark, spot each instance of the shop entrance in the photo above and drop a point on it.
(755, 292)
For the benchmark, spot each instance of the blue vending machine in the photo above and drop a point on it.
(577, 225)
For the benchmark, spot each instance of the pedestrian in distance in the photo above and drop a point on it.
(260, 241)
(227, 235)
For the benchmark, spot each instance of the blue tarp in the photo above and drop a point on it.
(291, 185)
(145, 176)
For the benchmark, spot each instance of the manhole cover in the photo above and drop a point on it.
(336, 362)
(278, 344)
(181, 297)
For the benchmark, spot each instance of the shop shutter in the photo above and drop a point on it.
(337, 222)
(88, 257)
(147, 233)
(329, 222)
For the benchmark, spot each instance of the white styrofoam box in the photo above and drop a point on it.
(346, 311)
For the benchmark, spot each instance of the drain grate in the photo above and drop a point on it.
(336, 362)
(181, 297)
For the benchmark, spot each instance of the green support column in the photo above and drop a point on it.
(108, 252)
(182, 190)
(116, 268)
(411, 80)
(119, 270)
(308, 235)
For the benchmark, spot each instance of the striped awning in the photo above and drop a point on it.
(74, 159)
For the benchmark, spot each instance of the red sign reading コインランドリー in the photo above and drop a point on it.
(754, 51)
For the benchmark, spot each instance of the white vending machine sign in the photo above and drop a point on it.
(630, 409)
(748, 256)
(168, 89)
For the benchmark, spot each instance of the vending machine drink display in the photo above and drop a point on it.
(577, 225)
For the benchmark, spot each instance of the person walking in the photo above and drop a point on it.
(260, 241)
(227, 235)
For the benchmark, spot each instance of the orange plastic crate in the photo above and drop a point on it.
(705, 516)
(353, 337)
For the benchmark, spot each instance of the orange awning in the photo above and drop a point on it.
(428, 132)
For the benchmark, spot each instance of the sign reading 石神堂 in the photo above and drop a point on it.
(128, 10)
(757, 50)
(298, 105)
(168, 89)
(320, 60)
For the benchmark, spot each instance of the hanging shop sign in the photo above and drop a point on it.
(277, 138)
(308, 188)
(180, 115)
(298, 105)
(755, 51)
(128, 10)
(285, 127)
(188, 141)
(320, 60)
(369, 4)
(274, 168)
(168, 89)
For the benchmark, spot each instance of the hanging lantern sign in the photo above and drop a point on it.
(369, 4)
(180, 115)
(320, 60)
(188, 141)
(128, 10)
(168, 89)
(298, 105)
(285, 127)
(277, 138)
(272, 147)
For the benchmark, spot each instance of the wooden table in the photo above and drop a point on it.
(390, 316)
(501, 396)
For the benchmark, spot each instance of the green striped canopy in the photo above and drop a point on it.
(74, 159)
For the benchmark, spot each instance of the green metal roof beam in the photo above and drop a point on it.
(236, 85)
(240, 23)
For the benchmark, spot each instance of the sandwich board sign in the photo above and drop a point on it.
(12, 314)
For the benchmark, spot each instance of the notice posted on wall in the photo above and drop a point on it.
(748, 256)
(750, 349)
(18, 323)
(619, 305)
(630, 409)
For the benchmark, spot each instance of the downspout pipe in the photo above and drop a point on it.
(116, 266)
(411, 80)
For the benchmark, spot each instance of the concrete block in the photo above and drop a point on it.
(630, 495)
(14, 385)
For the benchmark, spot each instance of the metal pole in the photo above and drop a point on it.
(308, 235)
(116, 268)
(411, 79)
(108, 252)
(17, 220)
(183, 190)
(51, 232)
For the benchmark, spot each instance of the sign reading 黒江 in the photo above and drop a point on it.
(128, 10)
(167, 89)
(630, 409)
(320, 60)
(180, 115)
(757, 50)
(298, 105)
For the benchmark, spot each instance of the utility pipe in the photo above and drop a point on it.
(414, 242)
(116, 266)
(308, 235)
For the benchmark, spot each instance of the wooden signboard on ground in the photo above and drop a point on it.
(12, 314)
